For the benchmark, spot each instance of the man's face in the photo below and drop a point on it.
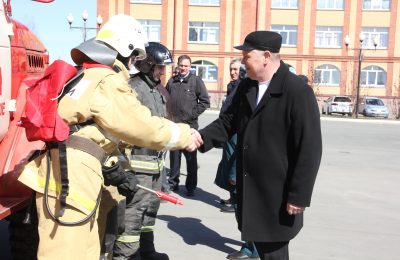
(159, 71)
(235, 70)
(184, 67)
(255, 63)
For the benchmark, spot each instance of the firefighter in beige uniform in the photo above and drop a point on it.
(105, 97)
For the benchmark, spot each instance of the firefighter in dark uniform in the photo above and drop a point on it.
(137, 240)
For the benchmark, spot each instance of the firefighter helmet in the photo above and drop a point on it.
(93, 51)
(125, 35)
(157, 54)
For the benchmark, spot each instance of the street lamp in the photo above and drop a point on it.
(360, 58)
(84, 28)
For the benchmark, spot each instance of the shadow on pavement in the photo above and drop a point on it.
(200, 195)
(193, 232)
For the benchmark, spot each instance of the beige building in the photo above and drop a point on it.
(321, 39)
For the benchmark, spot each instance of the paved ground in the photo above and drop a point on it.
(355, 213)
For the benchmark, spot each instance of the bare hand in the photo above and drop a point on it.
(196, 140)
(293, 209)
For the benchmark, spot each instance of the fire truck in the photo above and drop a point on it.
(22, 56)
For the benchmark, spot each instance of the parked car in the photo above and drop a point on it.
(372, 106)
(337, 104)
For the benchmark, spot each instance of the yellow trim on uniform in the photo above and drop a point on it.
(73, 195)
(147, 165)
(147, 229)
(128, 239)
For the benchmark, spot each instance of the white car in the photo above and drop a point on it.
(373, 106)
(338, 104)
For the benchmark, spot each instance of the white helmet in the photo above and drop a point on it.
(125, 34)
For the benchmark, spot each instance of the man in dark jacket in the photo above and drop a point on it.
(276, 118)
(188, 99)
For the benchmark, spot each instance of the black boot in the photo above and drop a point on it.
(147, 250)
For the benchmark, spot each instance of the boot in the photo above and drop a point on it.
(147, 250)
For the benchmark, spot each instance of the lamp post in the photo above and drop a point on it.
(360, 59)
(84, 28)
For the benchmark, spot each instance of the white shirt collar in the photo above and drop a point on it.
(262, 88)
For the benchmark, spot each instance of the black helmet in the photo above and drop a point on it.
(157, 54)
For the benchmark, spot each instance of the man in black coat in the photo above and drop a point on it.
(188, 99)
(276, 118)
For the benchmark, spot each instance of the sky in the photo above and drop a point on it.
(49, 23)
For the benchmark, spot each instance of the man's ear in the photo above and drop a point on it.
(267, 56)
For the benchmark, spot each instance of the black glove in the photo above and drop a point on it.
(114, 175)
(129, 186)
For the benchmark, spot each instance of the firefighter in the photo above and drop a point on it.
(104, 110)
(137, 239)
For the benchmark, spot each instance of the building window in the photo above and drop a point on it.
(287, 4)
(383, 5)
(373, 76)
(145, 1)
(378, 33)
(204, 2)
(206, 70)
(328, 37)
(327, 74)
(330, 4)
(288, 33)
(152, 29)
(203, 32)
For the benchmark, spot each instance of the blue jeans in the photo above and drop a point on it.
(248, 248)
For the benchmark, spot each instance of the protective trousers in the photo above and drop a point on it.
(76, 242)
(140, 214)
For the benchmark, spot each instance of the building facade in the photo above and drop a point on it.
(321, 39)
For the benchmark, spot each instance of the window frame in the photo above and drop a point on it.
(204, 4)
(150, 2)
(147, 27)
(282, 6)
(196, 65)
(327, 2)
(330, 69)
(374, 70)
(202, 29)
(376, 9)
(335, 35)
(288, 31)
(368, 42)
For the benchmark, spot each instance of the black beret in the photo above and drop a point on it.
(263, 41)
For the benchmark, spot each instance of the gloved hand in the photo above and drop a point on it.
(113, 175)
(129, 186)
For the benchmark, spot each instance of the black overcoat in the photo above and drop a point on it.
(279, 152)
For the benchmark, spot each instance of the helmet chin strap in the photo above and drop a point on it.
(150, 74)
(124, 60)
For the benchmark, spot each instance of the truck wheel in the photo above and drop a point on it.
(24, 238)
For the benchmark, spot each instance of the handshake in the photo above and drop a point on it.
(195, 142)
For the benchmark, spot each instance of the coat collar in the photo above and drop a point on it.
(184, 79)
(275, 88)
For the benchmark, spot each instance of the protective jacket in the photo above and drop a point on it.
(189, 99)
(141, 209)
(278, 153)
(105, 97)
(144, 159)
